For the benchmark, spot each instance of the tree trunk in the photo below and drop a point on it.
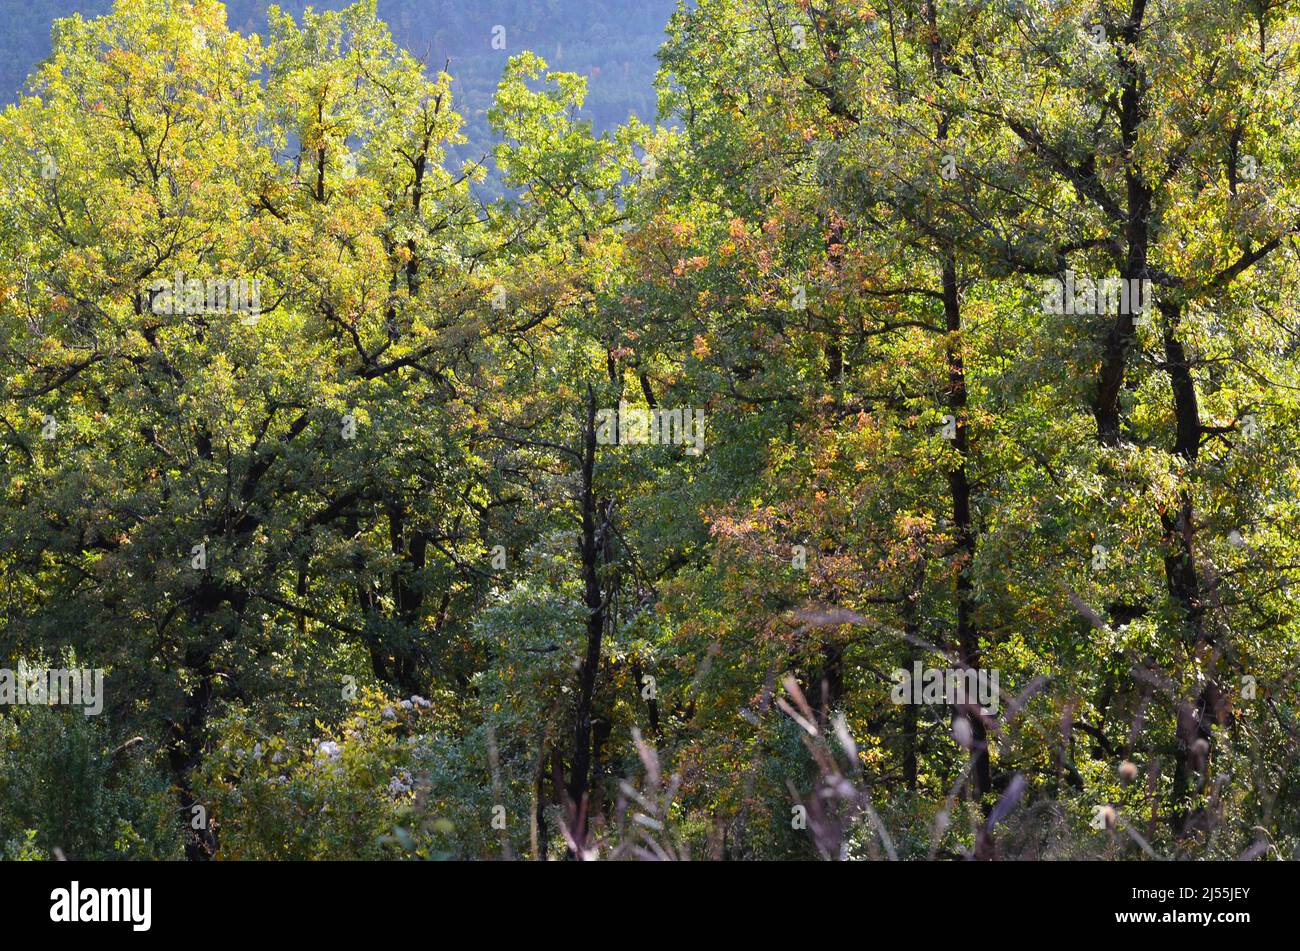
(968, 637)
(1193, 721)
(593, 543)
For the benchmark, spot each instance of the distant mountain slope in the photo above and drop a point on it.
(613, 42)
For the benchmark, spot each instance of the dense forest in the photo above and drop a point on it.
(884, 447)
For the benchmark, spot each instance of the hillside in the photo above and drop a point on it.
(612, 42)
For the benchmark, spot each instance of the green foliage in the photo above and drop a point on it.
(63, 786)
(284, 530)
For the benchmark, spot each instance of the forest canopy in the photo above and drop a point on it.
(890, 452)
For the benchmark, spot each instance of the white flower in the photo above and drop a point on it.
(328, 748)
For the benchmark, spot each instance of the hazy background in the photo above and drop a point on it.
(612, 42)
